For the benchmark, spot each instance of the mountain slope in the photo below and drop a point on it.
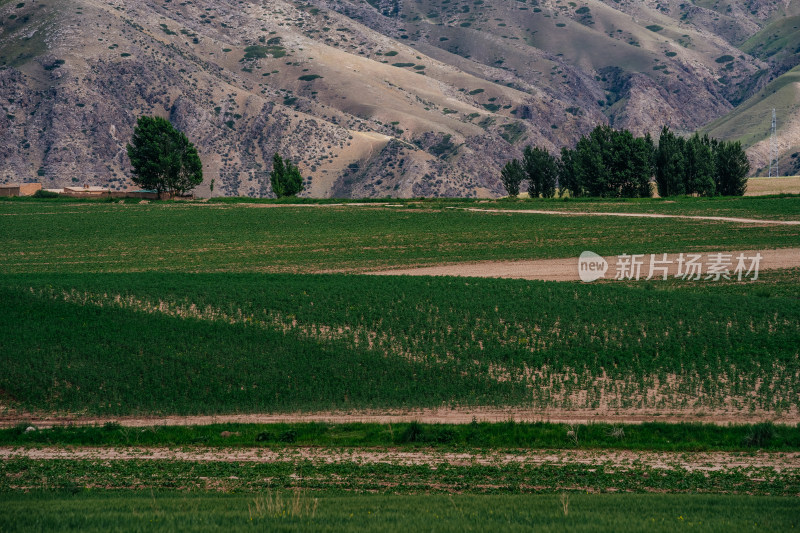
(751, 124)
(377, 98)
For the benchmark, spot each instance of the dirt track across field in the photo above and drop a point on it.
(567, 269)
(637, 215)
(426, 416)
(690, 461)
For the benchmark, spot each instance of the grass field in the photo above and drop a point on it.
(164, 511)
(771, 201)
(107, 237)
(175, 309)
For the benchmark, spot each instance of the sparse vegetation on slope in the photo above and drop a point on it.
(245, 81)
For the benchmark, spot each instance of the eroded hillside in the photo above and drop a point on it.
(370, 98)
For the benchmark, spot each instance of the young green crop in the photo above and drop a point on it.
(351, 476)
(225, 343)
(111, 237)
(345, 513)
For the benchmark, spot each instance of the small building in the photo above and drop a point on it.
(19, 189)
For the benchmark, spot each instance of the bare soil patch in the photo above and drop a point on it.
(567, 269)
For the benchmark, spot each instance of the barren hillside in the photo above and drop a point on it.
(371, 98)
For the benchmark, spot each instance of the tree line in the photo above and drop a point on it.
(615, 164)
(606, 163)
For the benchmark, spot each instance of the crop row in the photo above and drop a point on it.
(774, 208)
(59, 474)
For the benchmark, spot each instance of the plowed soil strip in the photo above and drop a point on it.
(697, 461)
(425, 416)
(567, 269)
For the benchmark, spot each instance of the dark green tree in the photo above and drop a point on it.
(699, 166)
(669, 164)
(511, 176)
(568, 177)
(731, 168)
(633, 164)
(613, 163)
(541, 169)
(285, 177)
(589, 164)
(162, 157)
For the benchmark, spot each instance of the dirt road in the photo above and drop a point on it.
(567, 269)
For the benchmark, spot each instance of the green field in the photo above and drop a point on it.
(228, 308)
(237, 343)
(110, 237)
(161, 511)
(771, 207)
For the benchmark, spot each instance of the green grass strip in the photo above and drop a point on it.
(167, 511)
(477, 435)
